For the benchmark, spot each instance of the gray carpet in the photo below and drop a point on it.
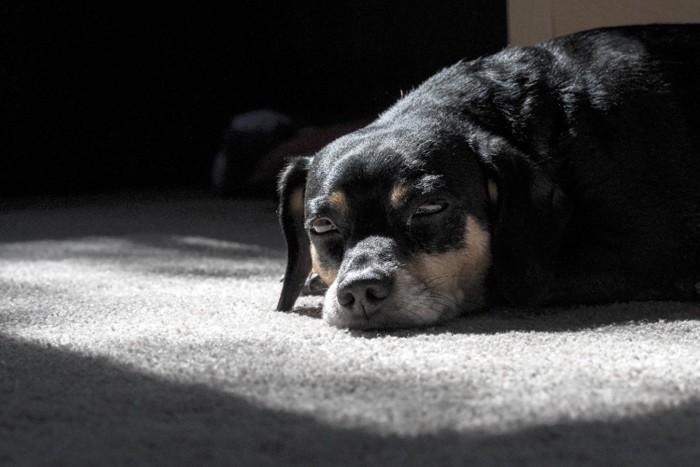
(139, 330)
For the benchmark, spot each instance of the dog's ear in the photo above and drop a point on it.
(292, 184)
(530, 215)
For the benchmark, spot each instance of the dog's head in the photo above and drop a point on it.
(395, 224)
(405, 222)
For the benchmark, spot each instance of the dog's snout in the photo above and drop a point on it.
(364, 293)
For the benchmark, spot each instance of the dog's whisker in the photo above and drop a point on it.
(441, 276)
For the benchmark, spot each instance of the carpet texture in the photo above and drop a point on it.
(139, 330)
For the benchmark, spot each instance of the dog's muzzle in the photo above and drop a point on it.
(365, 286)
(374, 289)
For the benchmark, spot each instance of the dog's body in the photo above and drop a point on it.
(568, 172)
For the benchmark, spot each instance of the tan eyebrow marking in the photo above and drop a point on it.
(493, 191)
(338, 200)
(399, 195)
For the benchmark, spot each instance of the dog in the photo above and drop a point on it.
(563, 173)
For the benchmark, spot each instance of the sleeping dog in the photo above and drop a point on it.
(564, 173)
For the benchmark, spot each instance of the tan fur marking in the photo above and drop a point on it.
(493, 191)
(398, 195)
(338, 201)
(296, 202)
(326, 275)
(458, 274)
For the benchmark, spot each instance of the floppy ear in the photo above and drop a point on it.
(291, 214)
(528, 225)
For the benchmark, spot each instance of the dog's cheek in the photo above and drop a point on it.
(458, 275)
(327, 274)
(413, 306)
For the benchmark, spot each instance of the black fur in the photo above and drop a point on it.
(298, 256)
(593, 141)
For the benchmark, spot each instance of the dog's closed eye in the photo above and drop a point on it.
(323, 225)
(431, 207)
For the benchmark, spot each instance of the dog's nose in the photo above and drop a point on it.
(364, 293)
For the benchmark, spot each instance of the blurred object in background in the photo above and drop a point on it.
(533, 21)
(258, 144)
(248, 138)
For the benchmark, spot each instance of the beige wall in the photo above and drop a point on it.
(531, 21)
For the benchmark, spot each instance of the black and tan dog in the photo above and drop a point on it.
(568, 172)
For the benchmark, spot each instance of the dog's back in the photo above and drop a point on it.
(631, 162)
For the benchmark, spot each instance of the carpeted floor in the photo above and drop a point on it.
(139, 330)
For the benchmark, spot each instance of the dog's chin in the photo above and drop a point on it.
(412, 305)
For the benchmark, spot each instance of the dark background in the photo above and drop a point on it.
(104, 96)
